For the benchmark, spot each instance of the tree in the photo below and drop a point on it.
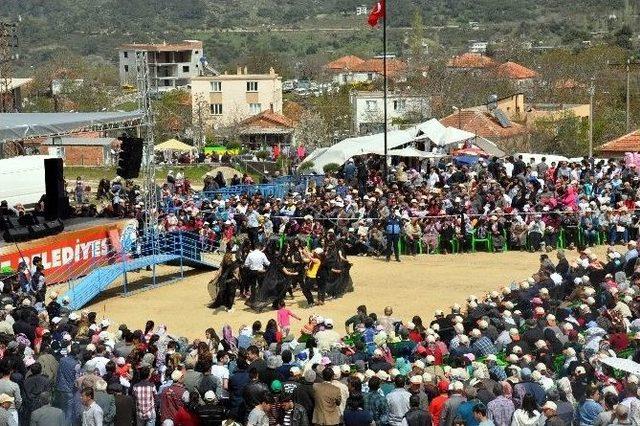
(566, 135)
(416, 40)
(173, 114)
(311, 131)
(623, 37)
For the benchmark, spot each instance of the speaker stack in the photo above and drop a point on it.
(130, 157)
(56, 200)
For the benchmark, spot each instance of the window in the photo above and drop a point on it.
(126, 68)
(196, 52)
(125, 54)
(252, 86)
(185, 68)
(372, 105)
(255, 108)
(216, 109)
(216, 86)
(399, 105)
(370, 76)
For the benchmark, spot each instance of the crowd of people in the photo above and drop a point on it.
(538, 352)
(433, 208)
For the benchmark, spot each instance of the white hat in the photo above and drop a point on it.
(105, 323)
(382, 375)
(475, 333)
(427, 378)
(56, 320)
(73, 316)
(541, 367)
(430, 359)
(328, 322)
(416, 380)
(550, 405)
(209, 395)
(369, 374)
(457, 385)
(419, 364)
(394, 372)
(344, 368)
(491, 357)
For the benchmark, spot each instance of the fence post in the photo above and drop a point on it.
(181, 257)
(124, 270)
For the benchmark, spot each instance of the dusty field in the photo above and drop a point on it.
(416, 286)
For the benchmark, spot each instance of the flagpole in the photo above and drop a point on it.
(384, 68)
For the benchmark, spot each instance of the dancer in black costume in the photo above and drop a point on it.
(275, 284)
(338, 266)
(222, 288)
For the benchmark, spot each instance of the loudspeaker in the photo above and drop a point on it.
(16, 235)
(38, 231)
(54, 226)
(56, 201)
(130, 157)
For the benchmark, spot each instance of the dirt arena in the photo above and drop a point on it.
(415, 286)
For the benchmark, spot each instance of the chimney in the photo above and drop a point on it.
(272, 71)
(239, 70)
(245, 70)
(271, 107)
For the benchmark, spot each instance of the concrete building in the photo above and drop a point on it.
(402, 108)
(228, 99)
(11, 93)
(82, 151)
(172, 66)
(352, 69)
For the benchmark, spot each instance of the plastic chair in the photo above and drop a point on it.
(475, 240)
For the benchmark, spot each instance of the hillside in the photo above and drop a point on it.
(233, 29)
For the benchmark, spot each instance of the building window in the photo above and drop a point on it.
(216, 109)
(216, 86)
(196, 52)
(372, 105)
(252, 86)
(125, 54)
(399, 105)
(126, 68)
(185, 68)
(370, 76)
(255, 108)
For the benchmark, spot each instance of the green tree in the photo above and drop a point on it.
(173, 114)
(567, 135)
(623, 37)
(416, 40)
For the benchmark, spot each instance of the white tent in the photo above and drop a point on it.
(431, 131)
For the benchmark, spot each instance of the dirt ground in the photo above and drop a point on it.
(417, 285)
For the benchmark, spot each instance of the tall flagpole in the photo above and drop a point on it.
(384, 68)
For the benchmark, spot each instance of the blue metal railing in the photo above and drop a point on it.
(278, 188)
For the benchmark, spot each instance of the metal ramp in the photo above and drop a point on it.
(98, 279)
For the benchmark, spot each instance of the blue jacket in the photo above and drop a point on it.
(66, 374)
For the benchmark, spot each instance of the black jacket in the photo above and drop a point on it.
(417, 417)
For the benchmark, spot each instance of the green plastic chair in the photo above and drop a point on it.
(486, 241)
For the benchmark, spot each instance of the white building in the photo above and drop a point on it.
(362, 10)
(402, 108)
(228, 99)
(478, 47)
(171, 65)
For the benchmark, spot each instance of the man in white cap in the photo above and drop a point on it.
(415, 388)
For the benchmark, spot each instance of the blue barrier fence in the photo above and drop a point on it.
(277, 189)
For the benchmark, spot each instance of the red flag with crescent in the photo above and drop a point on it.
(376, 13)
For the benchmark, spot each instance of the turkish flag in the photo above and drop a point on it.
(377, 12)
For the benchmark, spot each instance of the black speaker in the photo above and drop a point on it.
(130, 157)
(56, 201)
(54, 226)
(38, 231)
(16, 235)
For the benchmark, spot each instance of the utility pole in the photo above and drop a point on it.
(592, 92)
(628, 96)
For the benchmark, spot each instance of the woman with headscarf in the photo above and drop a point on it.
(339, 279)
(222, 288)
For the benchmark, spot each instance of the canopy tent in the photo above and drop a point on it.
(413, 152)
(623, 364)
(431, 131)
(21, 126)
(173, 145)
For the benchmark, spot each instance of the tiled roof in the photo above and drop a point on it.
(471, 60)
(268, 119)
(627, 143)
(515, 71)
(345, 63)
(394, 66)
(482, 124)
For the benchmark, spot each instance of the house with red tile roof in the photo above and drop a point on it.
(471, 61)
(486, 125)
(516, 72)
(267, 128)
(351, 69)
(619, 146)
